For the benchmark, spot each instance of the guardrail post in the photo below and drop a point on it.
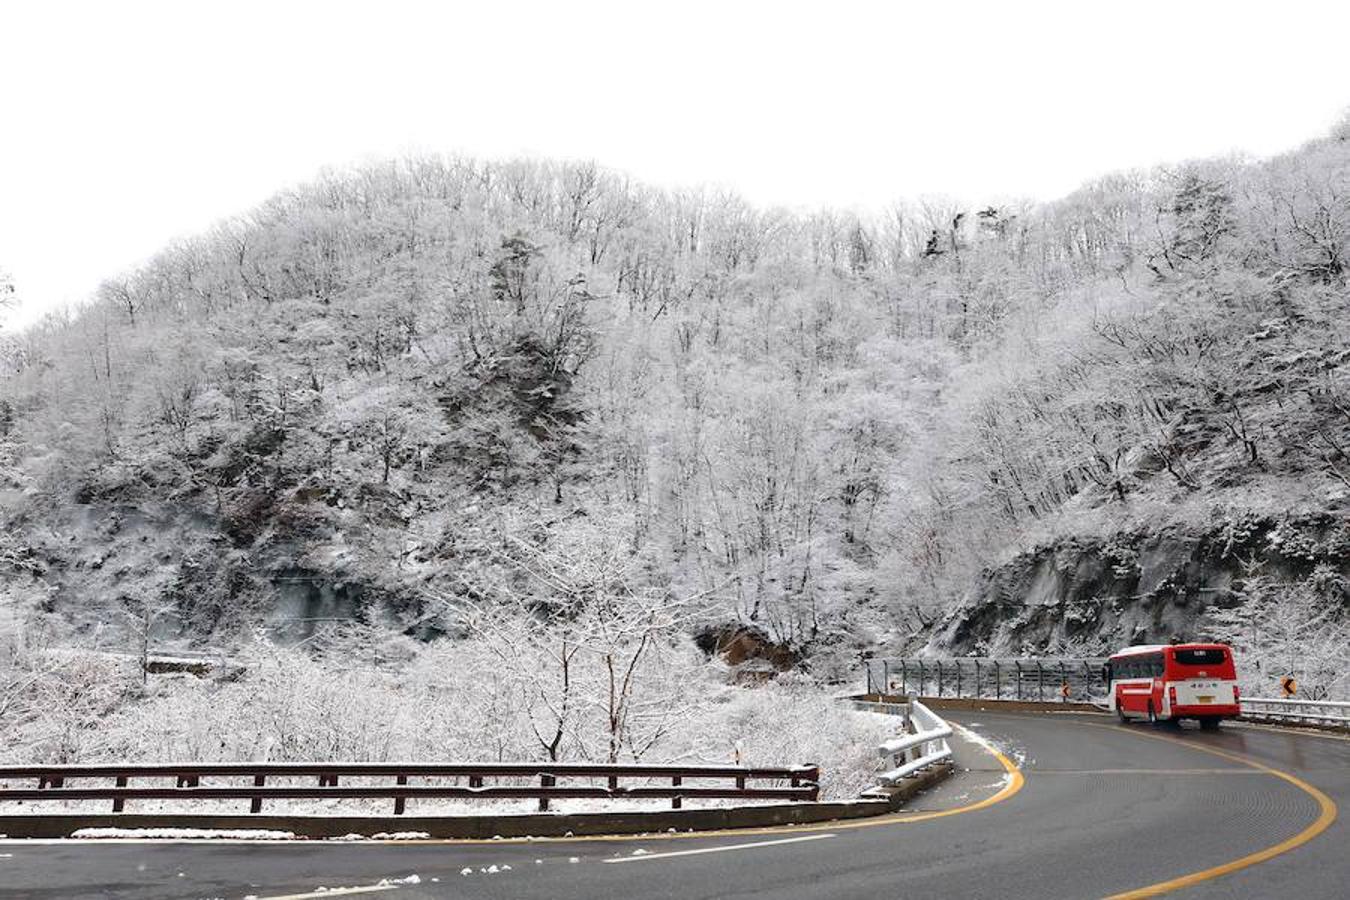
(939, 688)
(1063, 680)
(545, 781)
(120, 803)
(1040, 683)
(400, 803)
(885, 678)
(676, 781)
(904, 679)
(255, 805)
(977, 678)
(998, 683)
(958, 678)
(1018, 664)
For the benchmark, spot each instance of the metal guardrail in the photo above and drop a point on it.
(923, 747)
(921, 743)
(802, 782)
(1316, 712)
(1042, 680)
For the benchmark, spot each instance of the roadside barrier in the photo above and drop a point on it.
(925, 746)
(551, 782)
(1067, 683)
(1324, 713)
(1047, 680)
(920, 748)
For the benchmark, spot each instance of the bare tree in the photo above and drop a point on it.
(578, 634)
(142, 616)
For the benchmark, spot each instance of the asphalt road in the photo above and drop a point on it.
(1103, 809)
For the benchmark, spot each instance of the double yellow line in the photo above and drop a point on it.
(1326, 815)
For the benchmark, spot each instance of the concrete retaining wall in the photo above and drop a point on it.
(544, 825)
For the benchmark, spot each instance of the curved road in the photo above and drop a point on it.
(1096, 809)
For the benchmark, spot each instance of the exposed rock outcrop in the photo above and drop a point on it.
(1092, 594)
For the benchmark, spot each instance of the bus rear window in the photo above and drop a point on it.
(1212, 656)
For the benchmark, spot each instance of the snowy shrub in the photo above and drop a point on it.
(789, 723)
(449, 702)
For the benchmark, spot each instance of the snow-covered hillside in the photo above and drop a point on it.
(434, 396)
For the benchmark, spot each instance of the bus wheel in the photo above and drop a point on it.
(1120, 714)
(1209, 723)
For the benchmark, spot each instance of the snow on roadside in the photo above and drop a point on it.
(174, 834)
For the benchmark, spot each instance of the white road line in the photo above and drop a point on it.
(649, 856)
(335, 892)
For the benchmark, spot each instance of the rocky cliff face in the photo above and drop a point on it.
(1094, 594)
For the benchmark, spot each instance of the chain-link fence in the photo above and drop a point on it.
(1044, 680)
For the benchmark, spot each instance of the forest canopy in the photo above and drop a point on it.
(433, 385)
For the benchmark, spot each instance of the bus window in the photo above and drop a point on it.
(1156, 665)
(1204, 656)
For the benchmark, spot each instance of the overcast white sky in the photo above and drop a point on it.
(123, 125)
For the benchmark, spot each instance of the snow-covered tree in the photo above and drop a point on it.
(1300, 629)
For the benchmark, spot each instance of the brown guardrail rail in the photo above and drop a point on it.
(802, 782)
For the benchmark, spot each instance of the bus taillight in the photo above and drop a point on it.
(1172, 694)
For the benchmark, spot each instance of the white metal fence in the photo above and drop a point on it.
(926, 746)
(1308, 712)
(921, 743)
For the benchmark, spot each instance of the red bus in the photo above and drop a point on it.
(1166, 683)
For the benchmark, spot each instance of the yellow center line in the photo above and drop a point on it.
(1326, 815)
(1039, 772)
